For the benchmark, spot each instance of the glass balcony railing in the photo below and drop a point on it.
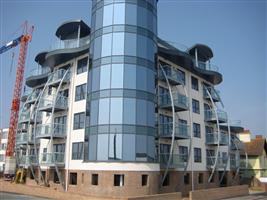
(24, 138)
(25, 116)
(233, 163)
(215, 94)
(58, 75)
(48, 130)
(221, 161)
(27, 160)
(69, 44)
(206, 66)
(212, 138)
(180, 101)
(48, 102)
(52, 158)
(177, 160)
(210, 115)
(236, 144)
(175, 77)
(39, 71)
(181, 130)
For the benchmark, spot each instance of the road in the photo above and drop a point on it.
(12, 196)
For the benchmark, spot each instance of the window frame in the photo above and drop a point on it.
(197, 130)
(194, 83)
(80, 91)
(83, 68)
(76, 155)
(197, 155)
(195, 106)
(80, 124)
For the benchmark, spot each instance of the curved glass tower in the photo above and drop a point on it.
(120, 116)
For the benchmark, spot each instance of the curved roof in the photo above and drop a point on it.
(33, 81)
(203, 51)
(69, 29)
(40, 57)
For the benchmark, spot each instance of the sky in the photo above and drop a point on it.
(236, 31)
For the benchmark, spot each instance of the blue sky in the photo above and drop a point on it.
(235, 30)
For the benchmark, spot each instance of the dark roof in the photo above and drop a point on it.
(256, 146)
(204, 52)
(69, 29)
(40, 57)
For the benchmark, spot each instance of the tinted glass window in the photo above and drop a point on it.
(82, 65)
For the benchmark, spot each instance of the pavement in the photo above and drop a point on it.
(254, 196)
(13, 196)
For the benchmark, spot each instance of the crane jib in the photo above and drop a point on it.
(10, 45)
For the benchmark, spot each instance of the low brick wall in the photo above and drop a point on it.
(166, 196)
(219, 193)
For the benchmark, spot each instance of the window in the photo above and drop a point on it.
(82, 65)
(195, 106)
(2, 157)
(166, 181)
(144, 179)
(94, 180)
(200, 178)
(73, 179)
(197, 154)
(181, 76)
(77, 151)
(196, 130)
(80, 92)
(187, 178)
(183, 151)
(194, 83)
(78, 120)
(119, 180)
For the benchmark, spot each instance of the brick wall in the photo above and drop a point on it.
(219, 193)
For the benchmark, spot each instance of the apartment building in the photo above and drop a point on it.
(113, 110)
(3, 145)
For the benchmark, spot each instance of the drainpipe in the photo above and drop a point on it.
(196, 57)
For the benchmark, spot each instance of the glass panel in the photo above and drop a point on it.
(102, 147)
(103, 111)
(129, 76)
(141, 112)
(150, 113)
(141, 78)
(141, 147)
(99, 18)
(150, 81)
(128, 147)
(108, 15)
(97, 47)
(92, 147)
(117, 76)
(131, 17)
(106, 45)
(119, 14)
(95, 82)
(115, 147)
(129, 111)
(116, 111)
(118, 44)
(141, 17)
(94, 112)
(130, 44)
(141, 46)
(151, 146)
(105, 77)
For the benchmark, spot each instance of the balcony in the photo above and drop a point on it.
(59, 103)
(234, 163)
(22, 127)
(236, 144)
(56, 77)
(24, 138)
(52, 159)
(46, 131)
(215, 94)
(235, 126)
(180, 102)
(25, 160)
(206, 66)
(25, 94)
(26, 117)
(37, 76)
(221, 162)
(210, 116)
(174, 77)
(181, 131)
(177, 160)
(212, 139)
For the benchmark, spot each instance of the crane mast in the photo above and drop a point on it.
(23, 40)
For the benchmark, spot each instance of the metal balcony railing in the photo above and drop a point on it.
(177, 160)
(210, 115)
(181, 130)
(57, 76)
(72, 43)
(206, 66)
(48, 102)
(48, 130)
(221, 162)
(52, 158)
(175, 77)
(215, 94)
(24, 138)
(180, 101)
(212, 138)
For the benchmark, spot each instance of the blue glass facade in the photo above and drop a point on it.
(120, 114)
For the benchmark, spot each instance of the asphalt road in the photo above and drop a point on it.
(12, 196)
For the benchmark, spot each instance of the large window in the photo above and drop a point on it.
(197, 155)
(196, 130)
(194, 83)
(82, 65)
(78, 121)
(73, 179)
(183, 151)
(80, 92)
(195, 106)
(181, 76)
(119, 180)
(77, 151)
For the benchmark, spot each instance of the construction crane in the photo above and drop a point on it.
(23, 40)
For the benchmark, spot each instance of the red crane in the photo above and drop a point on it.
(23, 40)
